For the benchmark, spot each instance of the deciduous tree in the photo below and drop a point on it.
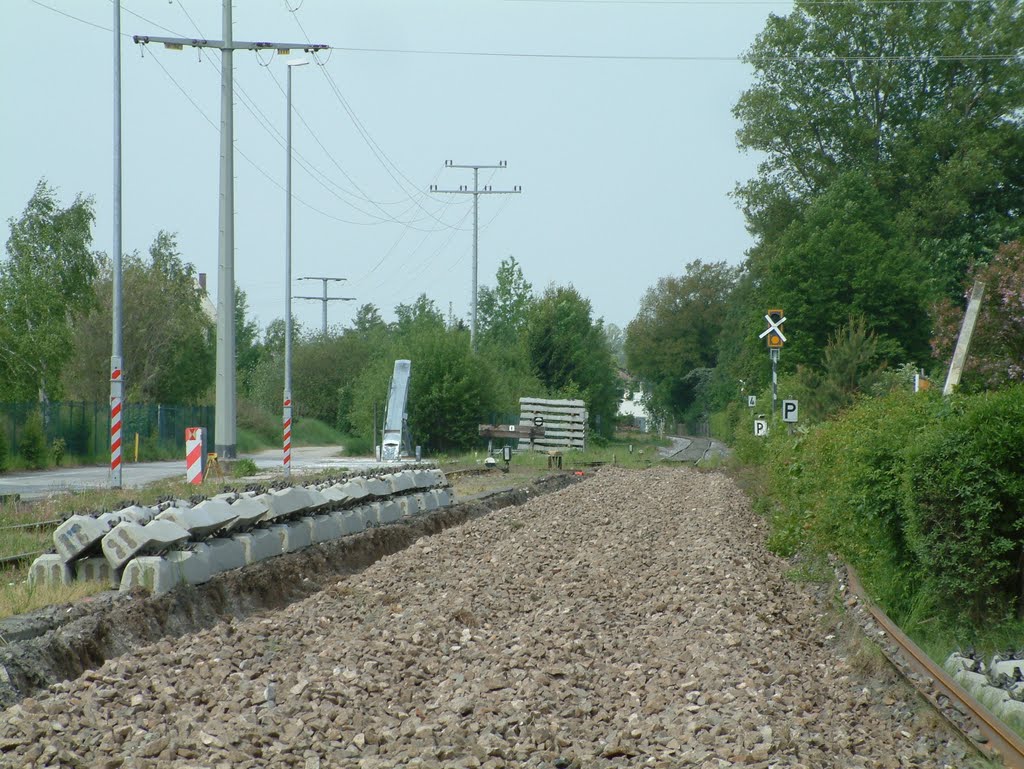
(46, 279)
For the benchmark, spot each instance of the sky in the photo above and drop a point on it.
(621, 137)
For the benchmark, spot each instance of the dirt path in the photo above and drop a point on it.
(631, 620)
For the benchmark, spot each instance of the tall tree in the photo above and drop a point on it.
(844, 257)
(45, 281)
(676, 331)
(926, 98)
(421, 313)
(168, 338)
(570, 355)
(502, 311)
(248, 350)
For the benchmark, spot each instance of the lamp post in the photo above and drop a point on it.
(287, 419)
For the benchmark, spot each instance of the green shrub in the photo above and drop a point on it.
(32, 445)
(241, 468)
(58, 449)
(357, 446)
(3, 448)
(964, 493)
(838, 487)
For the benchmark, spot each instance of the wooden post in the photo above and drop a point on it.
(963, 342)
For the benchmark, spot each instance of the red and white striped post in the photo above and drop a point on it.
(195, 457)
(116, 421)
(287, 436)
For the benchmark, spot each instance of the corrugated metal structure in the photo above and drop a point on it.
(395, 442)
(564, 422)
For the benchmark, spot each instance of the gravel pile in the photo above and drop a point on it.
(632, 620)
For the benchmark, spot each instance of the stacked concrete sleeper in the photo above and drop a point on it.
(160, 547)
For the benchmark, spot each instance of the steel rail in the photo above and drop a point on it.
(7, 559)
(33, 525)
(1002, 742)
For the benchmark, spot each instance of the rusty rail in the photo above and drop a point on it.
(1001, 742)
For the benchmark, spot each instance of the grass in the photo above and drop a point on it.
(313, 432)
(306, 432)
(21, 597)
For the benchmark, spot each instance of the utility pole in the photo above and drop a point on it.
(226, 412)
(117, 348)
(476, 192)
(325, 299)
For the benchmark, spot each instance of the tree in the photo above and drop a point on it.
(843, 257)
(996, 357)
(368, 321)
(450, 389)
(420, 314)
(169, 354)
(45, 281)
(676, 331)
(502, 311)
(248, 350)
(864, 87)
(570, 356)
(616, 339)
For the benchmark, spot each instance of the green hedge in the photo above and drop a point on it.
(922, 495)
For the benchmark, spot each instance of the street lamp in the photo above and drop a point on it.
(287, 421)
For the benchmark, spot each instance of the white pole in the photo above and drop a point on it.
(287, 417)
(117, 352)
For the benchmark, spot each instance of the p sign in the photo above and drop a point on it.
(760, 428)
(789, 411)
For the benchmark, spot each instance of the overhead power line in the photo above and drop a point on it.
(748, 2)
(741, 59)
(732, 59)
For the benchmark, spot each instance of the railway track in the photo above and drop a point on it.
(995, 740)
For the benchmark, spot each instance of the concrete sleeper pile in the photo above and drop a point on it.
(160, 547)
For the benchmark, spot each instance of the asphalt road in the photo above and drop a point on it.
(41, 483)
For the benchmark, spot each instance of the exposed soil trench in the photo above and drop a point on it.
(61, 643)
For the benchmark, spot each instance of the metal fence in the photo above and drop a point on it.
(85, 427)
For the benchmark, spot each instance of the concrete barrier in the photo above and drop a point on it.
(225, 554)
(246, 528)
(127, 540)
(159, 574)
(207, 517)
(248, 512)
(50, 569)
(327, 528)
(378, 487)
(79, 535)
(97, 569)
(258, 545)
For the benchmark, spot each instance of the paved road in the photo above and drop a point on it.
(32, 485)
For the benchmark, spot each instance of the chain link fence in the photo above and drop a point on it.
(85, 427)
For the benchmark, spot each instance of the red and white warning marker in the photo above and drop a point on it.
(116, 423)
(195, 437)
(287, 436)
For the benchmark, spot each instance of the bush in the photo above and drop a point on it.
(32, 446)
(3, 447)
(964, 494)
(241, 468)
(58, 448)
(357, 446)
(839, 488)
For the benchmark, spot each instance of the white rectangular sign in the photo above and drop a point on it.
(752, 401)
(760, 427)
(789, 411)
